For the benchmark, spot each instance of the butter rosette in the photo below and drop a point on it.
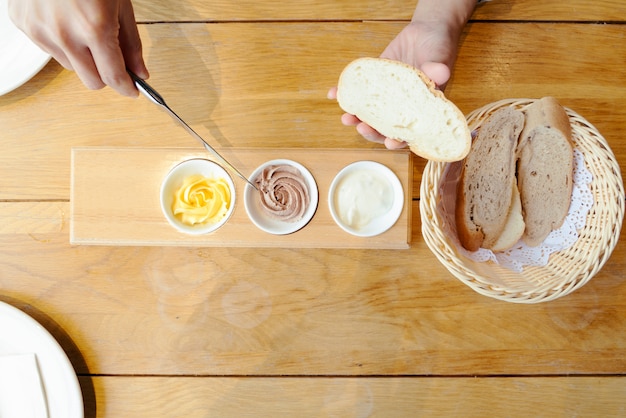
(202, 200)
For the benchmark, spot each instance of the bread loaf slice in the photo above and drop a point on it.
(485, 188)
(545, 169)
(514, 226)
(400, 102)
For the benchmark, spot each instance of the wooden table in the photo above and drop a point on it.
(190, 332)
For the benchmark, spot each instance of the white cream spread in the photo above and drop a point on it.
(362, 196)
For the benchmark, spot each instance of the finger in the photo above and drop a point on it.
(111, 67)
(130, 41)
(81, 61)
(78, 57)
(370, 133)
(332, 93)
(439, 73)
(349, 120)
(391, 143)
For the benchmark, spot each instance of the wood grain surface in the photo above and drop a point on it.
(184, 331)
(351, 397)
(250, 10)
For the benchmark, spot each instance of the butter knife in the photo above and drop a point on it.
(157, 99)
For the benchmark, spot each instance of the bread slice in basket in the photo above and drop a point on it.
(514, 226)
(400, 102)
(545, 169)
(485, 189)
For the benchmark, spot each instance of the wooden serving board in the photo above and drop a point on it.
(114, 198)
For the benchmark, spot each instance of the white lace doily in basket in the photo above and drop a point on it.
(522, 255)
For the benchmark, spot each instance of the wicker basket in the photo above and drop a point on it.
(567, 270)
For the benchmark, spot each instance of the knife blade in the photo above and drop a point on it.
(148, 91)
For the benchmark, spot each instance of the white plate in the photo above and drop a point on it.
(20, 58)
(256, 213)
(19, 333)
(372, 223)
(174, 180)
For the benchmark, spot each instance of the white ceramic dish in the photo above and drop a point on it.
(370, 224)
(256, 213)
(21, 334)
(174, 180)
(20, 59)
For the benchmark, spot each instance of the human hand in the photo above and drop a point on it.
(429, 46)
(96, 38)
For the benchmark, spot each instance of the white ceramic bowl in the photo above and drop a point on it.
(21, 58)
(354, 205)
(257, 215)
(174, 180)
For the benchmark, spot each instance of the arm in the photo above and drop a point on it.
(97, 38)
(429, 42)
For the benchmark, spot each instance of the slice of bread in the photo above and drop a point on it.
(400, 102)
(545, 169)
(485, 188)
(515, 225)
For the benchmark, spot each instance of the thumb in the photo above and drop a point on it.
(439, 73)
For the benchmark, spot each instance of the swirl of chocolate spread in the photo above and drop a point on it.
(284, 192)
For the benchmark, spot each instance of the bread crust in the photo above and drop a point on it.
(546, 111)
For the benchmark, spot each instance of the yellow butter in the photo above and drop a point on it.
(202, 200)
